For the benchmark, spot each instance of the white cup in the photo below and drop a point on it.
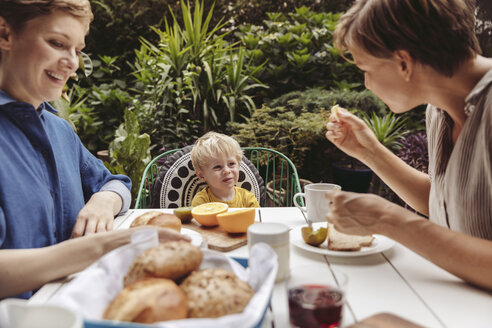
(316, 203)
(18, 313)
(277, 236)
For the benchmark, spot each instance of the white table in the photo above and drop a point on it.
(397, 281)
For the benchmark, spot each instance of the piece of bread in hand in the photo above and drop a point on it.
(173, 260)
(147, 301)
(212, 293)
(338, 241)
(158, 219)
(334, 112)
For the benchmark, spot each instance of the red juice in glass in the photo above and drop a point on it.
(317, 306)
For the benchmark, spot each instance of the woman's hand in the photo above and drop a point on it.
(358, 214)
(351, 135)
(98, 214)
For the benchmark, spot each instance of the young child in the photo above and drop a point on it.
(216, 159)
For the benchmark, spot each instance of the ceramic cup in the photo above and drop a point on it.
(277, 236)
(17, 313)
(316, 203)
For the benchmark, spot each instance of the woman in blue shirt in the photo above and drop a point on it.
(51, 187)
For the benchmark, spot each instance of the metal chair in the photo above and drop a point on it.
(169, 179)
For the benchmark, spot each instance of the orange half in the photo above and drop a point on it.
(237, 221)
(206, 214)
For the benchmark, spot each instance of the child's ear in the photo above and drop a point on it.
(200, 176)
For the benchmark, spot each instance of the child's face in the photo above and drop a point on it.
(220, 173)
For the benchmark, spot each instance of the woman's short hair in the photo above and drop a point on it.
(212, 145)
(18, 12)
(437, 33)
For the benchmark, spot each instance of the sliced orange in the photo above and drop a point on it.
(237, 221)
(206, 214)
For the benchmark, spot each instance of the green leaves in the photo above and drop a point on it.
(298, 49)
(389, 129)
(198, 74)
(130, 151)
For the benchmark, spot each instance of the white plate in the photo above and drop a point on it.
(196, 237)
(379, 244)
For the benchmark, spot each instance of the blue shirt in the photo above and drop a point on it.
(46, 176)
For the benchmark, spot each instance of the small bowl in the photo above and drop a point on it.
(237, 221)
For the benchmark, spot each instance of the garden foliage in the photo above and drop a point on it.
(192, 80)
(298, 51)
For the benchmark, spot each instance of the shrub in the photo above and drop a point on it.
(414, 151)
(315, 98)
(129, 151)
(96, 104)
(298, 52)
(279, 128)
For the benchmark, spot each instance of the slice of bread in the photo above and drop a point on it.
(338, 241)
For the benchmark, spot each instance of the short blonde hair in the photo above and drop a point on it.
(437, 33)
(212, 145)
(18, 12)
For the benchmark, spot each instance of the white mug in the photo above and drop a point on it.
(316, 203)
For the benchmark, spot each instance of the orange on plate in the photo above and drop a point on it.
(206, 214)
(237, 221)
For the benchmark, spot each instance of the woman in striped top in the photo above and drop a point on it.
(412, 53)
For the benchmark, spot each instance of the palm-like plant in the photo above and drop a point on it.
(201, 76)
(389, 129)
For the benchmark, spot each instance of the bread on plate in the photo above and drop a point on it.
(158, 219)
(338, 241)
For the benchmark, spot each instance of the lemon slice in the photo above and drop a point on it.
(206, 214)
(314, 237)
(183, 213)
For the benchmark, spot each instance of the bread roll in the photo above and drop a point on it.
(212, 293)
(159, 219)
(172, 260)
(147, 301)
(338, 241)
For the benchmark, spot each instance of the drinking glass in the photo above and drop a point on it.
(316, 295)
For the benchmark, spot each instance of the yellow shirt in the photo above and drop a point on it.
(243, 198)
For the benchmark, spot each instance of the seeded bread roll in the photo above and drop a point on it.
(147, 301)
(212, 293)
(172, 260)
(159, 219)
(338, 241)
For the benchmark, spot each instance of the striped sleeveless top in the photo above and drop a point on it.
(461, 177)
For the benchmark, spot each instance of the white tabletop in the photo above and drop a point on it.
(397, 281)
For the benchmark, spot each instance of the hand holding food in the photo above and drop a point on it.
(350, 133)
(334, 113)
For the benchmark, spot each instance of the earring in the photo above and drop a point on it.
(85, 64)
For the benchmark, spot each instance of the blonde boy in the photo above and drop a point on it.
(216, 159)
